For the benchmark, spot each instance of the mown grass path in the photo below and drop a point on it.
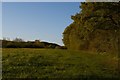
(56, 63)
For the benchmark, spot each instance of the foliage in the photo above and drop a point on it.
(101, 19)
(0, 43)
(18, 40)
(19, 43)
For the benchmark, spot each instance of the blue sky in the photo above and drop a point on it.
(0, 20)
(43, 0)
(37, 20)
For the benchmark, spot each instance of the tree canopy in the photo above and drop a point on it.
(96, 27)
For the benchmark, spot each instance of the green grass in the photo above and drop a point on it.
(56, 63)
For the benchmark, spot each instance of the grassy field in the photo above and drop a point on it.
(56, 63)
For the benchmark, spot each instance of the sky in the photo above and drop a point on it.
(0, 20)
(43, 0)
(45, 21)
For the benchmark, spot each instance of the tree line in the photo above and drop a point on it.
(95, 28)
(20, 43)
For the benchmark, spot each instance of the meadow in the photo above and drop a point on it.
(57, 63)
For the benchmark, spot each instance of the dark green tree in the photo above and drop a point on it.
(96, 27)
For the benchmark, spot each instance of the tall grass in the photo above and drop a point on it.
(56, 63)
